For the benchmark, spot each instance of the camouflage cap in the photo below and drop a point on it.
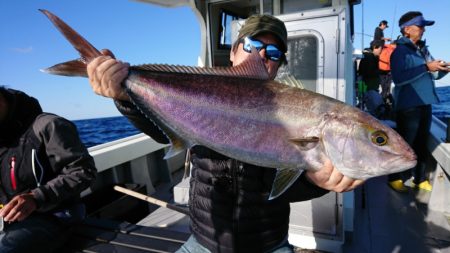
(257, 24)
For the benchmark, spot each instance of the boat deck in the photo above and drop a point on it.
(385, 221)
(388, 221)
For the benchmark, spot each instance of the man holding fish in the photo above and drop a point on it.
(229, 203)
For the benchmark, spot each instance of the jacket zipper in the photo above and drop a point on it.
(12, 174)
(235, 206)
(236, 171)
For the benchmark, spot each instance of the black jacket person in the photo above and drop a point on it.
(44, 167)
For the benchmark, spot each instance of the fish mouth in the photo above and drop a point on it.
(399, 164)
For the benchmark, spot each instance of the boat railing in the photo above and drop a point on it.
(135, 159)
(440, 151)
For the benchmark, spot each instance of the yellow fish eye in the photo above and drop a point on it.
(379, 138)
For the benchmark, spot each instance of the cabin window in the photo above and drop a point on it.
(268, 7)
(226, 18)
(302, 60)
(290, 6)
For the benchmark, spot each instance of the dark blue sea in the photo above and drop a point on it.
(97, 131)
(101, 130)
(442, 110)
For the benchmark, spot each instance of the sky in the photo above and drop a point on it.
(142, 33)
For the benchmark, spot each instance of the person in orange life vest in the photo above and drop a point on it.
(385, 69)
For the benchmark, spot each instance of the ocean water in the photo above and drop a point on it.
(442, 110)
(101, 130)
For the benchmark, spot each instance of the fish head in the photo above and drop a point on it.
(362, 147)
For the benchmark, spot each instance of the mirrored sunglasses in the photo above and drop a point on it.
(272, 51)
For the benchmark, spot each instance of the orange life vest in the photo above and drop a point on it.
(384, 62)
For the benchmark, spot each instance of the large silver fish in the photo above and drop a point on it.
(238, 112)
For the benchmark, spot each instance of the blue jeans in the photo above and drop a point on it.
(413, 125)
(193, 246)
(37, 233)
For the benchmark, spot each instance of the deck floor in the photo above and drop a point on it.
(388, 221)
(385, 222)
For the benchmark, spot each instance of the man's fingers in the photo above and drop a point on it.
(92, 69)
(112, 79)
(335, 178)
(345, 184)
(16, 216)
(350, 184)
(107, 52)
(100, 86)
(8, 207)
(11, 214)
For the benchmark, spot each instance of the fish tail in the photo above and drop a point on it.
(86, 50)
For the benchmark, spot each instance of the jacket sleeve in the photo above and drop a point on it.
(140, 121)
(436, 74)
(302, 190)
(403, 69)
(69, 160)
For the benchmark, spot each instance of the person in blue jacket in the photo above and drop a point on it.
(413, 72)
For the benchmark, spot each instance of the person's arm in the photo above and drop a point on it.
(69, 160)
(401, 73)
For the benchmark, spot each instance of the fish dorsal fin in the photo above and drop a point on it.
(84, 48)
(305, 143)
(69, 68)
(253, 67)
(290, 80)
(283, 180)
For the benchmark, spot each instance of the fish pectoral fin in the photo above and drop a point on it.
(283, 180)
(178, 146)
(306, 143)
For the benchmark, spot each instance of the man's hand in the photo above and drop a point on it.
(19, 207)
(331, 179)
(438, 65)
(106, 75)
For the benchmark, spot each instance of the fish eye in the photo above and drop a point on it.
(379, 138)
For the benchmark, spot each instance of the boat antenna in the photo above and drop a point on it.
(393, 19)
(362, 25)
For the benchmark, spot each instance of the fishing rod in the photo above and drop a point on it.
(151, 200)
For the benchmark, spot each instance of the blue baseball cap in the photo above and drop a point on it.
(418, 21)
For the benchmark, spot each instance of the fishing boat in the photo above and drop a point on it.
(372, 218)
